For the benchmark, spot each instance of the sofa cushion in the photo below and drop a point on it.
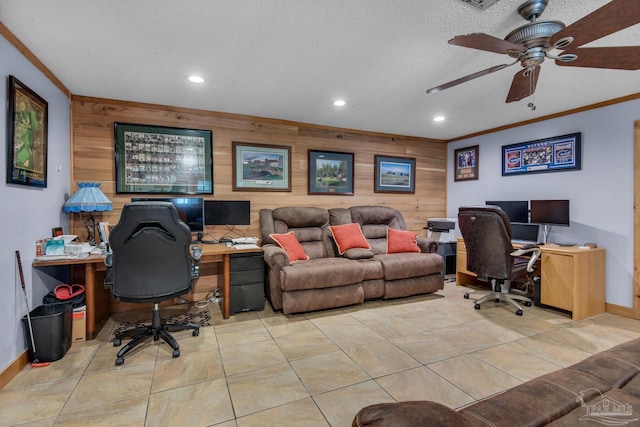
(403, 266)
(320, 273)
(348, 236)
(538, 401)
(358, 253)
(399, 241)
(291, 246)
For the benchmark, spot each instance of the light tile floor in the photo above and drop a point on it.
(316, 369)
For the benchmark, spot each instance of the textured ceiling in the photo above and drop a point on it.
(290, 59)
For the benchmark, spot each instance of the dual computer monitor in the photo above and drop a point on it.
(543, 212)
(197, 212)
(526, 217)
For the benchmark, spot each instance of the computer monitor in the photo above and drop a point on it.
(227, 212)
(190, 209)
(516, 210)
(550, 212)
(525, 232)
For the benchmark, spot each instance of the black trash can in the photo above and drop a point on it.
(51, 331)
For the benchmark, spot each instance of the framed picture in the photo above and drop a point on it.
(394, 175)
(466, 163)
(560, 153)
(261, 167)
(27, 118)
(155, 159)
(330, 172)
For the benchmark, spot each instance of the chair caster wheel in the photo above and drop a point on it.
(527, 303)
(519, 312)
(195, 332)
(466, 295)
(497, 299)
(117, 342)
(119, 361)
(176, 353)
(477, 306)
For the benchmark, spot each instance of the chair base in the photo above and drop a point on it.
(498, 296)
(157, 330)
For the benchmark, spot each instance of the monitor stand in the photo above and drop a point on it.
(545, 232)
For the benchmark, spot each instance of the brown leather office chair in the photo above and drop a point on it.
(490, 255)
(151, 262)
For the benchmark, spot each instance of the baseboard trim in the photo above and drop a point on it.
(619, 310)
(13, 369)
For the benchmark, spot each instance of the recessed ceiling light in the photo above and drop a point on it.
(438, 119)
(339, 103)
(196, 79)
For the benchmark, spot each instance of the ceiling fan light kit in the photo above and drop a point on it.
(530, 44)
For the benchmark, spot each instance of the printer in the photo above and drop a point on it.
(443, 230)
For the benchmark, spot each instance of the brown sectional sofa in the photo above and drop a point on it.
(329, 280)
(603, 389)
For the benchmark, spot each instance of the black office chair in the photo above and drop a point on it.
(486, 231)
(150, 262)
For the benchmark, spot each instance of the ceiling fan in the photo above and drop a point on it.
(531, 43)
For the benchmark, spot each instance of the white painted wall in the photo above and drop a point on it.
(28, 213)
(600, 194)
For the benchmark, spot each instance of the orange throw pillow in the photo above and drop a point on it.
(399, 241)
(291, 246)
(348, 236)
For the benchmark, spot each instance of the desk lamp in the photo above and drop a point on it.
(89, 198)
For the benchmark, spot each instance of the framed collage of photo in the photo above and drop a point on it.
(27, 121)
(394, 175)
(560, 153)
(155, 159)
(261, 167)
(466, 163)
(330, 172)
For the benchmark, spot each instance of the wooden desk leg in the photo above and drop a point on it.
(89, 288)
(226, 280)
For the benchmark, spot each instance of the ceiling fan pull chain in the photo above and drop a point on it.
(531, 103)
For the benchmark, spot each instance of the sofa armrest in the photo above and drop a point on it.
(275, 258)
(427, 245)
(409, 414)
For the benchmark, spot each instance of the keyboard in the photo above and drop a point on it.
(522, 242)
(246, 246)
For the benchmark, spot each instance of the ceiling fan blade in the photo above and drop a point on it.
(618, 58)
(610, 18)
(467, 78)
(524, 84)
(486, 42)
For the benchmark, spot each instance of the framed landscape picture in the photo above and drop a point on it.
(394, 175)
(466, 163)
(261, 167)
(157, 159)
(330, 172)
(27, 117)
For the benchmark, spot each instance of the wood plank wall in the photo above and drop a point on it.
(93, 159)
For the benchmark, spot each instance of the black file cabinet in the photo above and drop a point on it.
(246, 282)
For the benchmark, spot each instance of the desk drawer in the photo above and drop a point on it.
(250, 261)
(245, 277)
(246, 298)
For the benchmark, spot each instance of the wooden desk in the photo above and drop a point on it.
(572, 279)
(90, 271)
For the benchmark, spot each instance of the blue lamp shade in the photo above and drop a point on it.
(89, 198)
